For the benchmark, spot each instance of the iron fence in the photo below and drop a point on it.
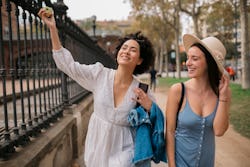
(34, 92)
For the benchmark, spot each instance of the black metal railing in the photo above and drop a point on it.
(34, 92)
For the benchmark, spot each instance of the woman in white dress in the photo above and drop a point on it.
(110, 140)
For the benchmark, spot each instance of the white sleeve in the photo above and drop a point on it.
(151, 95)
(85, 75)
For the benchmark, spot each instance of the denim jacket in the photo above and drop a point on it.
(149, 138)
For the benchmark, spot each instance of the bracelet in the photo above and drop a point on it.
(222, 100)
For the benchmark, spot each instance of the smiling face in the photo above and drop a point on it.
(196, 62)
(129, 54)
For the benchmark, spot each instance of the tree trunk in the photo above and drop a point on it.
(196, 27)
(177, 58)
(161, 56)
(157, 58)
(245, 45)
(178, 69)
(166, 59)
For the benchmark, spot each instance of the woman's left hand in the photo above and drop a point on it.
(143, 99)
(224, 87)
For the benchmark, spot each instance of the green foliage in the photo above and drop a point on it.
(231, 51)
(170, 81)
(239, 111)
(157, 18)
(153, 19)
(221, 19)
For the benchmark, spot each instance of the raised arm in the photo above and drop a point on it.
(49, 20)
(221, 120)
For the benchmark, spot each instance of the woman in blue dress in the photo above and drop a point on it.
(204, 112)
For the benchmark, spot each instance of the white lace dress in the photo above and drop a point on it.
(110, 140)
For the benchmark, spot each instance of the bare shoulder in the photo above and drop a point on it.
(173, 99)
(175, 91)
(175, 88)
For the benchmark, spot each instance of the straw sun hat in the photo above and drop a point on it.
(213, 45)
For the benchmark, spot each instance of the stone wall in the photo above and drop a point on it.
(60, 144)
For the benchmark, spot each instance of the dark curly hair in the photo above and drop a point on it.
(147, 52)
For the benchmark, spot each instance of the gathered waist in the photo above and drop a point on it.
(122, 123)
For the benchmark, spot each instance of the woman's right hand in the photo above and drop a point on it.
(49, 21)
